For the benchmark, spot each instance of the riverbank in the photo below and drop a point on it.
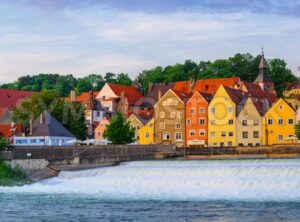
(54, 170)
(12, 177)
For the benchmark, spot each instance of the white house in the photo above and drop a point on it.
(45, 131)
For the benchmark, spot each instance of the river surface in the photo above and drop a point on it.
(224, 190)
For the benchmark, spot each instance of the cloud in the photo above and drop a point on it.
(88, 37)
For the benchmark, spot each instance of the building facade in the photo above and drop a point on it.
(279, 124)
(169, 122)
(146, 133)
(196, 110)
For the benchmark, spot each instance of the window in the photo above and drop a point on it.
(192, 111)
(202, 132)
(230, 122)
(177, 126)
(172, 115)
(255, 134)
(291, 121)
(162, 114)
(188, 121)
(213, 122)
(212, 134)
(280, 121)
(147, 135)
(201, 121)
(179, 115)
(161, 125)
(245, 135)
(213, 110)
(166, 136)
(33, 140)
(202, 110)
(256, 122)
(291, 136)
(178, 136)
(192, 132)
(270, 122)
(138, 127)
(280, 137)
(230, 144)
(230, 133)
(42, 140)
(98, 114)
(281, 107)
(244, 122)
(99, 133)
(223, 134)
(230, 109)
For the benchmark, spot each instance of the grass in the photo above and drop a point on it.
(10, 176)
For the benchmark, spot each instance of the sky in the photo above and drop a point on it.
(88, 36)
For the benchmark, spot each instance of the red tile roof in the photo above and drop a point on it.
(131, 93)
(10, 98)
(7, 131)
(206, 85)
(86, 96)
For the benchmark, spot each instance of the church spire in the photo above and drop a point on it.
(263, 79)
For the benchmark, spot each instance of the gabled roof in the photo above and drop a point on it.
(182, 95)
(208, 97)
(144, 119)
(236, 95)
(47, 125)
(131, 93)
(10, 98)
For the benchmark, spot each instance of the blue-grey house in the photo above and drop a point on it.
(45, 131)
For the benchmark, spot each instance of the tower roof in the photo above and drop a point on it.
(263, 75)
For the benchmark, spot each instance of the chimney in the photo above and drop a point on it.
(30, 127)
(72, 95)
(41, 118)
(159, 94)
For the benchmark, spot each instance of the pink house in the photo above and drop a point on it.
(100, 129)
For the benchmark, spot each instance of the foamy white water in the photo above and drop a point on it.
(250, 180)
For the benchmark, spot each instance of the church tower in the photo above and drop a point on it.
(263, 79)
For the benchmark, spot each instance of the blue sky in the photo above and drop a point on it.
(89, 36)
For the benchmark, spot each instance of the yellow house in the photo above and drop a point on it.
(146, 133)
(279, 124)
(137, 121)
(222, 117)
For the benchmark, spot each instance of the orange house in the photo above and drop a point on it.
(197, 119)
(101, 128)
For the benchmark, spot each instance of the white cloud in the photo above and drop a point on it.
(98, 40)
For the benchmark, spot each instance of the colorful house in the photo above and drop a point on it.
(45, 131)
(222, 116)
(279, 124)
(169, 122)
(100, 129)
(119, 98)
(196, 112)
(138, 121)
(146, 133)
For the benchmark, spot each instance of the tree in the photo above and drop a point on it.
(124, 79)
(3, 143)
(119, 131)
(297, 129)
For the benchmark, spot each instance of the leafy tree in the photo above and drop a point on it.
(110, 77)
(119, 131)
(123, 79)
(297, 129)
(3, 143)
(91, 82)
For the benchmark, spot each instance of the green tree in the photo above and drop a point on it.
(297, 129)
(119, 131)
(3, 143)
(124, 79)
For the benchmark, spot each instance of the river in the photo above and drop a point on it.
(221, 190)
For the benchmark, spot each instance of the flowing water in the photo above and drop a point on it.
(235, 190)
